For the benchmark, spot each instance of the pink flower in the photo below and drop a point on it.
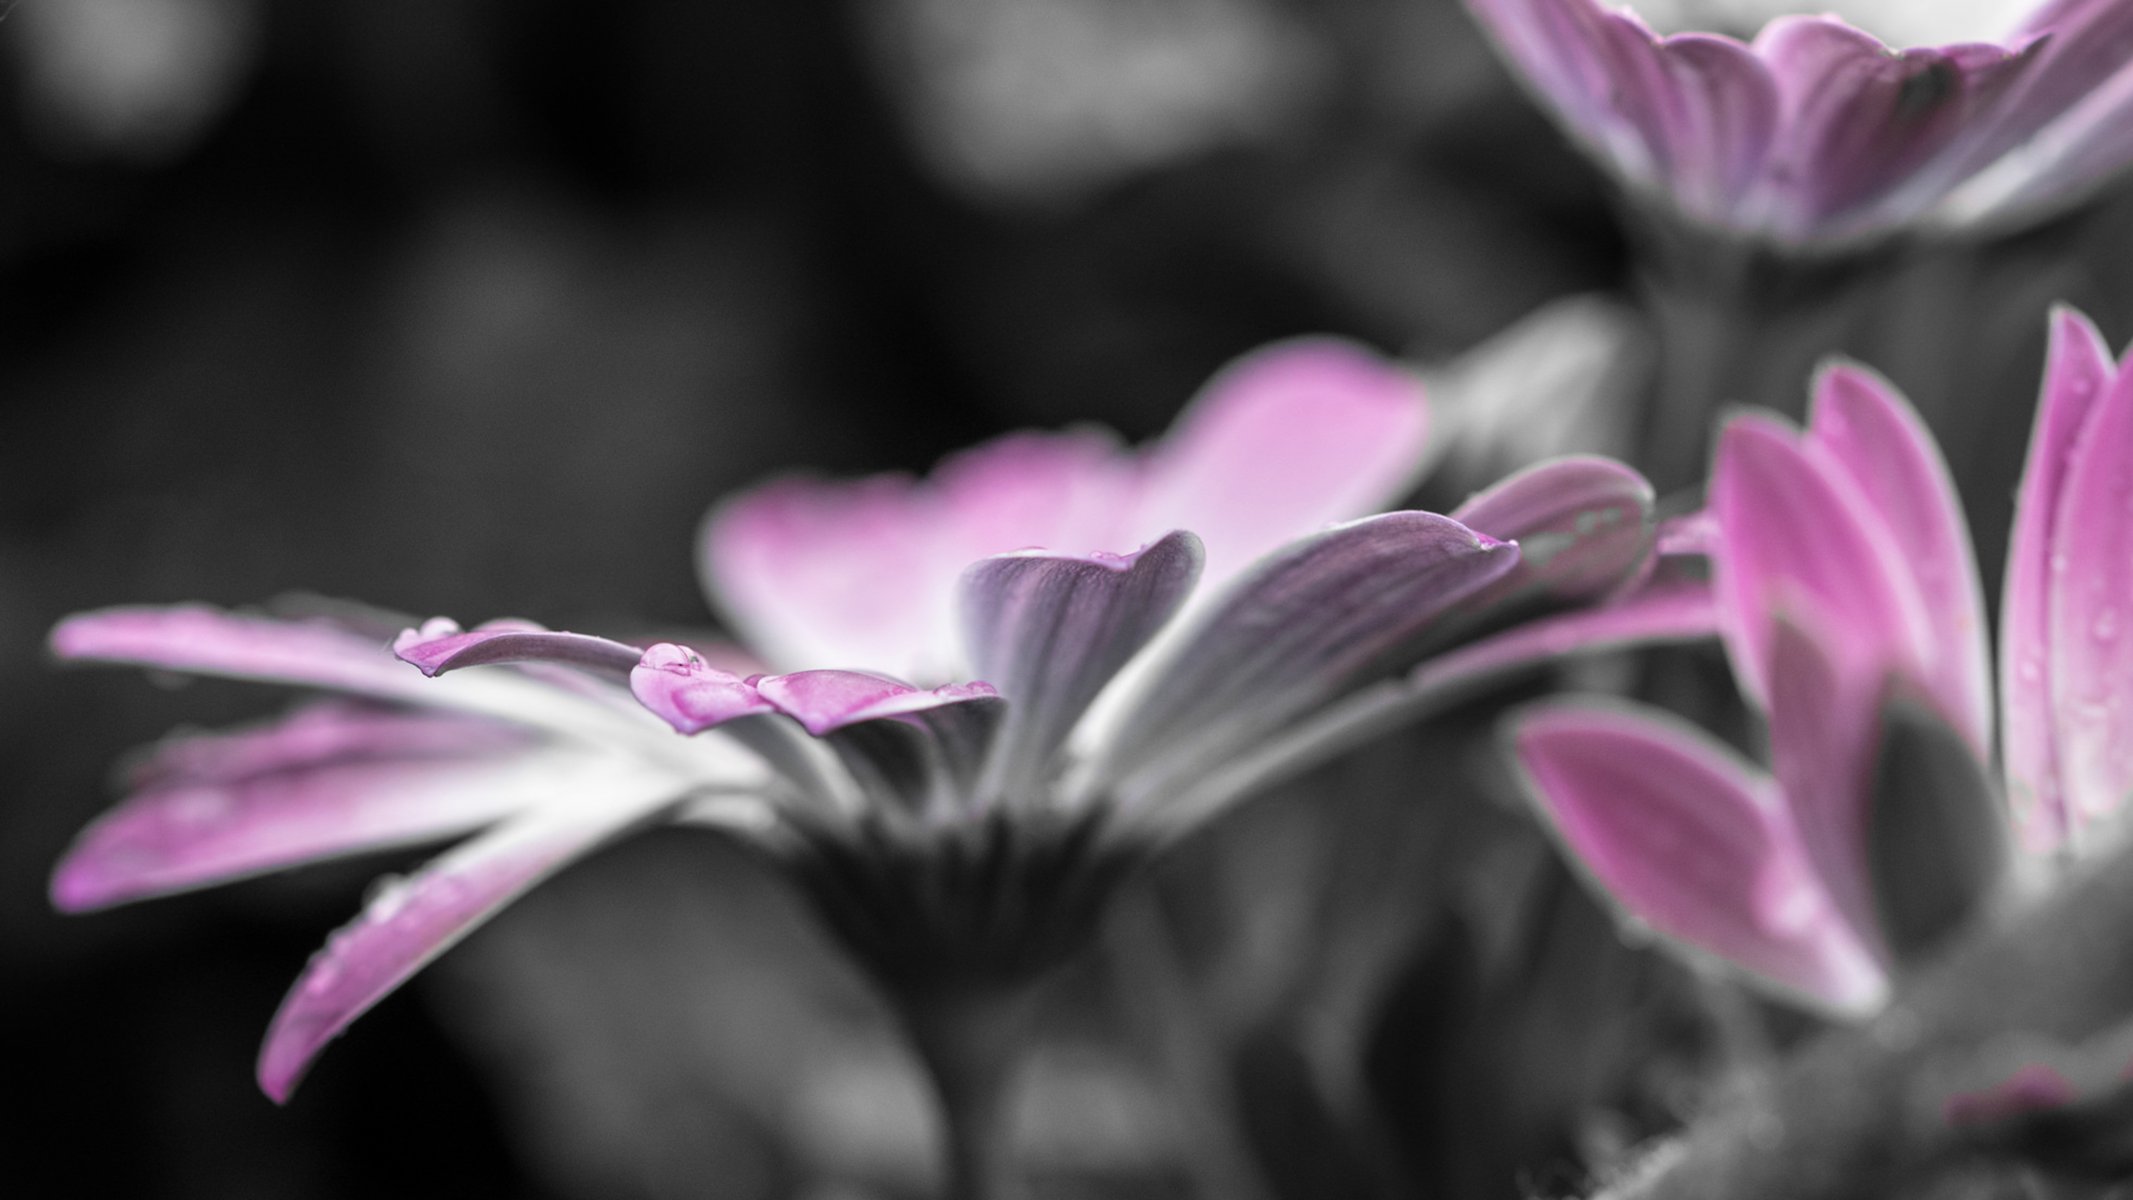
(1838, 563)
(1816, 132)
(1843, 576)
(983, 704)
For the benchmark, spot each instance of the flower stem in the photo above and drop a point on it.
(967, 1036)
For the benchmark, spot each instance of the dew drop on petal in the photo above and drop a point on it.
(2104, 629)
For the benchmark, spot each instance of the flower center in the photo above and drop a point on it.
(1900, 23)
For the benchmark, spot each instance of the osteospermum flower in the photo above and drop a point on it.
(1843, 577)
(982, 696)
(1818, 132)
(1839, 561)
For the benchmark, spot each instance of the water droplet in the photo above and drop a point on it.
(387, 897)
(2105, 627)
(2030, 669)
(2059, 563)
(325, 973)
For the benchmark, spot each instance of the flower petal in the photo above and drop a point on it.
(1050, 631)
(826, 701)
(1691, 841)
(683, 690)
(1874, 434)
(409, 922)
(1862, 125)
(1278, 444)
(1693, 114)
(1296, 629)
(2090, 615)
(190, 832)
(1582, 524)
(206, 641)
(814, 572)
(440, 646)
(2076, 377)
(1795, 530)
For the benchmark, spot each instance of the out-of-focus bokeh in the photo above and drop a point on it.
(471, 308)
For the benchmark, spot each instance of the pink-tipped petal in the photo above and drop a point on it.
(683, 690)
(1796, 531)
(1877, 438)
(1282, 442)
(1692, 842)
(826, 701)
(2090, 614)
(2077, 375)
(184, 834)
(206, 641)
(1050, 631)
(1296, 629)
(439, 645)
(409, 922)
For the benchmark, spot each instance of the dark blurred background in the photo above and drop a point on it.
(471, 307)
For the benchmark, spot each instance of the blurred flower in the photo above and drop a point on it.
(132, 79)
(1048, 100)
(1844, 576)
(954, 832)
(1816, 132)
(1839, 560)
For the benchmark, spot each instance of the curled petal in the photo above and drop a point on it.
(1582, 524)
(440, 646)
(411, 921)
(683, 690)
(2077, 376)
(1049, 631)
(1692, 842)
(1280, 443)
(826, 701)
(1296, 629)
(1875, 436)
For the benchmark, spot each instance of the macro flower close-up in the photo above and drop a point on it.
(1068, 599)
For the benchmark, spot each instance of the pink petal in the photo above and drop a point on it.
(683, 690)
(1693, 114)
(2090, 581)
(187, 833)
(440, 646)
(1862, 125)
(1297, 628)
(1796, 533)
(411, 921)
(825, 701)
(1875, 436)
(813, 572)
(1691, 841)
(202, 640)
(2077, 375)
(1280, 443)
(1050, 631)
(1065, 492)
